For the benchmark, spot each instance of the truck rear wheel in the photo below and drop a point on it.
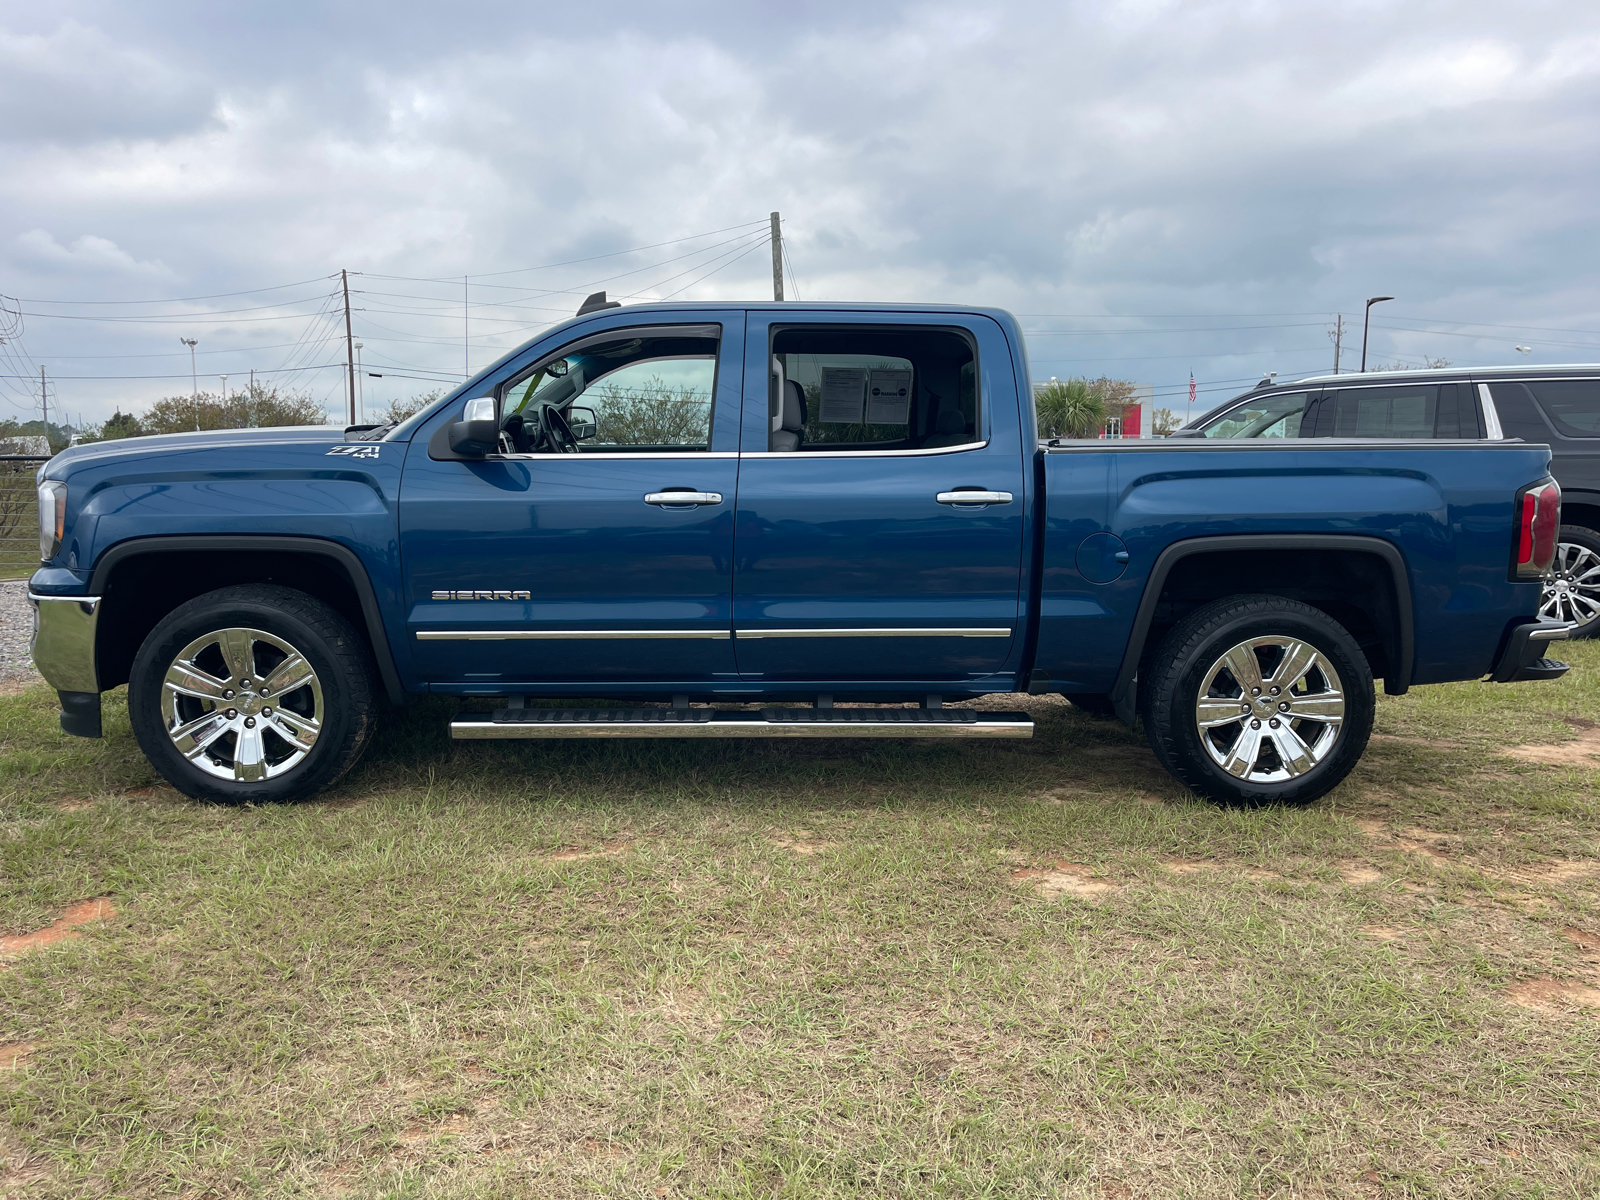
(1258, 699)
(253, 693)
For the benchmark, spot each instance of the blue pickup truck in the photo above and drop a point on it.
(777, 520)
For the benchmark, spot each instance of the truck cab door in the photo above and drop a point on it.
(605, 561)
(880, 516)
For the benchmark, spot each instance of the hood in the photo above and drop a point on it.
(209, 439)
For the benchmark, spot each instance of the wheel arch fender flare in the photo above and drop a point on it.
(340, 555)
(1123, 691)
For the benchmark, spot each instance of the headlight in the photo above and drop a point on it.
(52, 517)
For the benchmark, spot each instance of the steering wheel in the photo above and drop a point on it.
(557, 434)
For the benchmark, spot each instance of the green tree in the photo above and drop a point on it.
(401, 410)
(656, 414)
(256, 407)
(120, 425)
(1069, 408)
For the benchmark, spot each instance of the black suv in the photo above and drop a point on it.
(1556, 405)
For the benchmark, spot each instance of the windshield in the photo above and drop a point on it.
(1275, 416)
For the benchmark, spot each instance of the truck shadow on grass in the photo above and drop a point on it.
(1068, 749)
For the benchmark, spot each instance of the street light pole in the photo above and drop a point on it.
(194, 380)
(361, 387)
(1366, 323)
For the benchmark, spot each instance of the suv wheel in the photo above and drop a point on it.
(1258, 699)
(252, 693)
(1573, 595)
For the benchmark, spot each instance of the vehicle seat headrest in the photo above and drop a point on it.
(794, 407)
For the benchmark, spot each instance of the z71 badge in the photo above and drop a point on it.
(355, 451)
(483, 595)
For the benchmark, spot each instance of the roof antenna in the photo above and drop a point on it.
(596, 302)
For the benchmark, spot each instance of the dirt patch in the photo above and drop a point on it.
(13, 1054)
(1383, 933)
(63, 927)
(1185, 866)
(1372, 827)
(1561, 870)
(1554, 995)
(1064, 879)
(1582, 938)
(801, 841)
(1424, 842)
(607, 850)
(1358, 873)
(1581, 751)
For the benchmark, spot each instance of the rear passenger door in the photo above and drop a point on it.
(856, 557)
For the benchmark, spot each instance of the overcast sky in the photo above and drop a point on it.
(1153, 187)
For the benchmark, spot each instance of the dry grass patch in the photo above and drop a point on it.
(1064, 879)
(1554, 995)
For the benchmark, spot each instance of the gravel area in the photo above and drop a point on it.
(16, 630)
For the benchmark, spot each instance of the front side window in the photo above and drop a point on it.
(629, 394)
(864, 389)
(1401, 411)
(1573, 405)
(1270, 417)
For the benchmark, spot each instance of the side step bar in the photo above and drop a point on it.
(712, 722)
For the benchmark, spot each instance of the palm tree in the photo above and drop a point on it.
(1069, 409)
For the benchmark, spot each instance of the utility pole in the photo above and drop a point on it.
(1338, 341)
(361, 384)
(466, 330)
(777, 258)
(349, 339)
(44, 402)
(194, 380)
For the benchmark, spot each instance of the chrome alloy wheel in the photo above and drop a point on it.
(242, 704)
(1270, 709)
(1573, 593)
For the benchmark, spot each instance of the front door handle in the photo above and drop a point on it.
(682, 499)
(973, 496)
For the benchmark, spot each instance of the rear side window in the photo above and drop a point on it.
(870, 389)
(1573, 405)
(1270, 417)
(1399, 411)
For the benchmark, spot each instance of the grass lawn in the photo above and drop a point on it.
(797, 969)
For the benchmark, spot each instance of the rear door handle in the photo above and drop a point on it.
(682, 499)
(973, 496)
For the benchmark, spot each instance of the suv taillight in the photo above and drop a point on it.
(1538, 522)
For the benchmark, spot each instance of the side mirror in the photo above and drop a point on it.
(475, 436)
(583, 421)
(556, 369)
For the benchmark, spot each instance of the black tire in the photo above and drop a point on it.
(1575, 544)
(266, 621)
(1096, 704)
(1169, 692)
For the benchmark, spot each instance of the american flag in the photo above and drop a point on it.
(1191, 387)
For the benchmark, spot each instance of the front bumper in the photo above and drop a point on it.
(1523, 658)
(63, 652)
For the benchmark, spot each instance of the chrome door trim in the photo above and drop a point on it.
(753, 634)
(864, 453)
(973, 497)
(570, 635)
(1491, 416)
(611, 455)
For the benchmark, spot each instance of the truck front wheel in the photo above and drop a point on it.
(253, 693)
(1258, 699)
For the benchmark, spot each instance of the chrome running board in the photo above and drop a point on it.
(712, 722)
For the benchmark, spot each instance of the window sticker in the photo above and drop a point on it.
(843, 394)
(888, 396)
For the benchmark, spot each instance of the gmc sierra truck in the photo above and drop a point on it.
(777, 520)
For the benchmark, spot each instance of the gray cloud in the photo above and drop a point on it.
(1130, 160)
